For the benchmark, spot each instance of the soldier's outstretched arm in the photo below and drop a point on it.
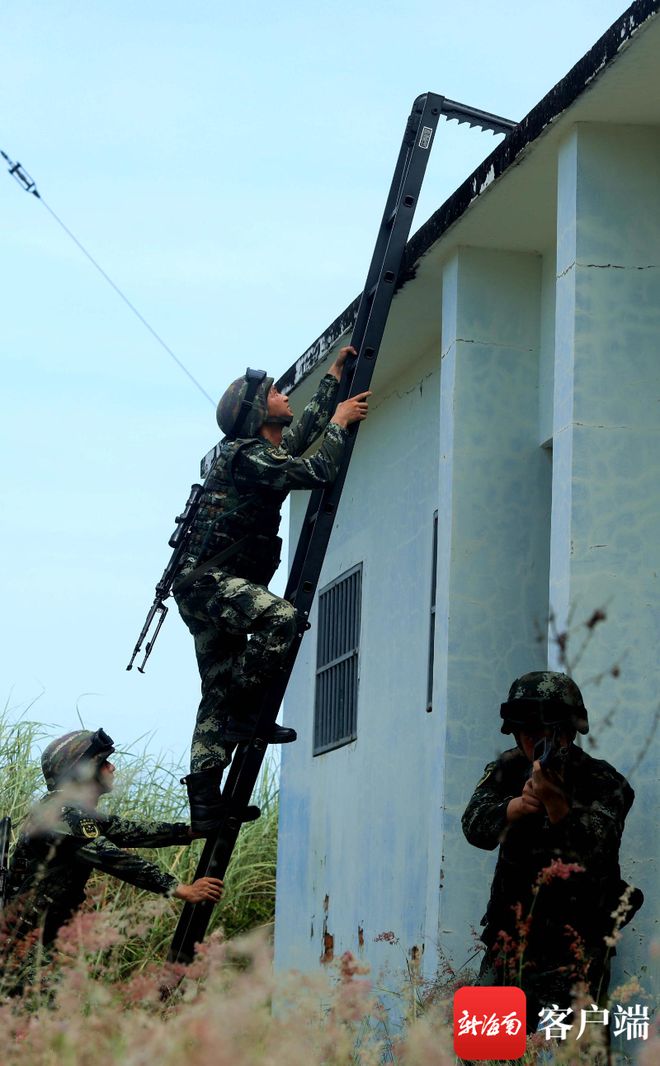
(270, 466)
(103, 855)
(148, 834)
(300, 436)
(297, 438)
(265, 465)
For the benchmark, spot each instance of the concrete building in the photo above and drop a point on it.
(509, 472)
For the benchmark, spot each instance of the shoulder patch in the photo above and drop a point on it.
(81, 824)
(89, 828)
(487, 772)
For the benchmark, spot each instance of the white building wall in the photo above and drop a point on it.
(354, 821)
(493, 546)
(533, 352)
(606, 504)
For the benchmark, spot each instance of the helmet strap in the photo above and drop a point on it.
(279, 420)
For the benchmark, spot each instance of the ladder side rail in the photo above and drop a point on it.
(390, 215)
(195, 917)
(362, 314)
(248, 758)
(302, 593)
(299, 589)
(425, 112)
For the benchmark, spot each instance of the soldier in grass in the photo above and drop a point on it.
(242, 631)
(557, 815)
(66, 837)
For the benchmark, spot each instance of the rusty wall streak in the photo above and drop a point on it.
(328, 952)
(328, 948)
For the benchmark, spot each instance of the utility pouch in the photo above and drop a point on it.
(265, 554)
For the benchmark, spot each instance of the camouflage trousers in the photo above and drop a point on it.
(242, 633)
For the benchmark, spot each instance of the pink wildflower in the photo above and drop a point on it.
(560, 869)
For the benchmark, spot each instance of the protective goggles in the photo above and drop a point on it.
(254, 379)
(518, 714)
(100, 744)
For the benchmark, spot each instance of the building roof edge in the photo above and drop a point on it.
(548, 110)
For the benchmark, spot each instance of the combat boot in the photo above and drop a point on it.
(240, 722)
(240, 730)
(207, 807)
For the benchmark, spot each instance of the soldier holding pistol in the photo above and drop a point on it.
(557, 815)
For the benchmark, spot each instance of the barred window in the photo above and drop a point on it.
(335, 711)
(434, 581)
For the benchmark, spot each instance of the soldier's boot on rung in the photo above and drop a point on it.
(240, 723)
(239, 730)
(207, 807)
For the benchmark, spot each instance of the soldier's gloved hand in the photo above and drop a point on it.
(354, 410)
(203, 890)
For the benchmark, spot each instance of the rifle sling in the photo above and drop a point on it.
(215, 560)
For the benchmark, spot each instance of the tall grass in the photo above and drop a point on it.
(100, 999)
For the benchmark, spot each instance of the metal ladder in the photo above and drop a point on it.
(366, 338)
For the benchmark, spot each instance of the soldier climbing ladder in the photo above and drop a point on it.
(368, 330)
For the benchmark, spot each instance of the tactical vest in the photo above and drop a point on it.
(227, 516)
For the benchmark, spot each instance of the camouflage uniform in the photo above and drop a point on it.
(590, 835)
(240, 516)
(52, 864)
(64, 839)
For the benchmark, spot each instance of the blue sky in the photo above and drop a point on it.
(227, 165)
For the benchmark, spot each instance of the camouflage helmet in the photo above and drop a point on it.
(236, 399)
(544, 698)
(62, 759)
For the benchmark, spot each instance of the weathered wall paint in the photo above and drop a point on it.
(354, 821)
(370, 840)
(606, 504)
(493, 546)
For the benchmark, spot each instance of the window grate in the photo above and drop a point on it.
(335, 710)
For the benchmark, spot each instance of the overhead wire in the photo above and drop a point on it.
(19, 173)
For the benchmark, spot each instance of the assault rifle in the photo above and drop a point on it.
(5, 836)
(179, 542)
